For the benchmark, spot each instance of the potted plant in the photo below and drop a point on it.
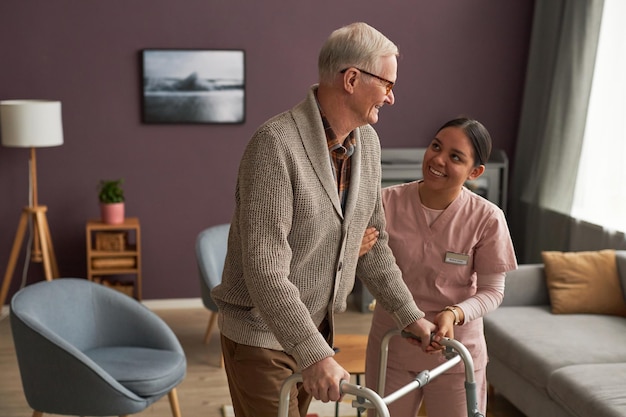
(111, 196)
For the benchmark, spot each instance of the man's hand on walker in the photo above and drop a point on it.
(421, 328)
(322, 380)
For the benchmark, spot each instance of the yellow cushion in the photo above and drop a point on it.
(584, 282)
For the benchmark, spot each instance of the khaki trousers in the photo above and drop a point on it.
(255, 376)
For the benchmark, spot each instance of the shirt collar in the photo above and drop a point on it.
(345, 149)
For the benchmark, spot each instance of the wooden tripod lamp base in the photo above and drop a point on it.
(43, 250)
(31, 124)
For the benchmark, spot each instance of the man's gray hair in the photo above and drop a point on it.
(355, 45)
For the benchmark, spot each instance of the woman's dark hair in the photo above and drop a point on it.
(477, 134)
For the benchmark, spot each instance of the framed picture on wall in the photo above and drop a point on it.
(193, 86)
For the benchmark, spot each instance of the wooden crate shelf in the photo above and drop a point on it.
(115, 250)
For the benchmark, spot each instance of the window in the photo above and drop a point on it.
(600, 195)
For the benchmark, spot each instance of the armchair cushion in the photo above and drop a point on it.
(146, 372)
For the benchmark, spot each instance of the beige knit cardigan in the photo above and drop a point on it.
(292, 252)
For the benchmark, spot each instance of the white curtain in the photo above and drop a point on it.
(600, 196)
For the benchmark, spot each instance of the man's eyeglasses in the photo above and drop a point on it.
(388, 84)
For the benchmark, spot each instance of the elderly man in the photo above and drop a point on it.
(308, 188)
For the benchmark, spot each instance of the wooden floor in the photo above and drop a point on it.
(204, 390)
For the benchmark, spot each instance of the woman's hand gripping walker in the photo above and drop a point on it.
(366, 398)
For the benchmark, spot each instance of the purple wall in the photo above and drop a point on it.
(457, 57)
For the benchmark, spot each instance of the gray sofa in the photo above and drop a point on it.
(555, 365)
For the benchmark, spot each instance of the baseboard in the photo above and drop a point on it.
(165, 304)
(173, 303)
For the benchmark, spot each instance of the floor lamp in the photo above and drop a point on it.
(31, 124)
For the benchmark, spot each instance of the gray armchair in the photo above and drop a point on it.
(85, 349)
(211, 245)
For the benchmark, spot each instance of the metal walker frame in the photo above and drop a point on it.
(367, 398)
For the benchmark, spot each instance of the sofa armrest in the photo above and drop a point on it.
(526, 286)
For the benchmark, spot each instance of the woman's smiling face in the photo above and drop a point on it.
(449, 160)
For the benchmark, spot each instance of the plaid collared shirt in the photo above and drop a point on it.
(340, 161)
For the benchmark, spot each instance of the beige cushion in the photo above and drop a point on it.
(584, 282)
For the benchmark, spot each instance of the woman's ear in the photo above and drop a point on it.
(476, 172)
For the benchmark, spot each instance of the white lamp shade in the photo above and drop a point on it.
(31, 123)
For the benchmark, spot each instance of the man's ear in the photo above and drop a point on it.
(476, 172)
(349, 80)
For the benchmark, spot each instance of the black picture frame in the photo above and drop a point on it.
(193, 86)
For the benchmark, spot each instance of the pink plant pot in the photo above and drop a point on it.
(112, 213)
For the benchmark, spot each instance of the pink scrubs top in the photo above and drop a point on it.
(439, 264)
